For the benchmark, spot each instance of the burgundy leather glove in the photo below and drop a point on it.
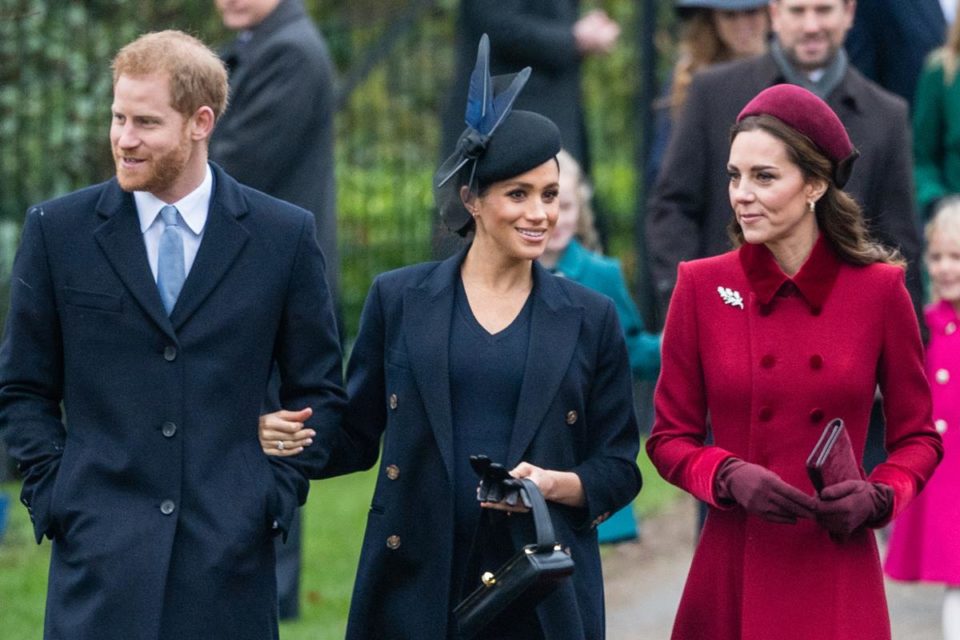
(846, 506)
(763, 493)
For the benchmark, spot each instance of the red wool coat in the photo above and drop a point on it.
(771, 360)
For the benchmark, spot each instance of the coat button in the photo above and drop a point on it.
(168, 429)
(393, 542)
(393, 471)
(768, 361)
(816, 415)
(766, 309)
(393, 401)
(816, 362)
(170, 353)
(765, 414)
(951, 328)
(572, 416)
(942, 376)
(167, 507)
(816, 310)
(941, 426)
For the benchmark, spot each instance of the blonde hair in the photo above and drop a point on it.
(197, 75)
(586, 232)
(945, 222)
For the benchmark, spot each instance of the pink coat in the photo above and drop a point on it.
(924, 544)
(770, 370)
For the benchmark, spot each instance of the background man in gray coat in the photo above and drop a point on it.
(689, 207)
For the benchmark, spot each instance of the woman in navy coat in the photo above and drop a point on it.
(484, 353)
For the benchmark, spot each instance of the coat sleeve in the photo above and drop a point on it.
(894, 222)
(913, 445)
(677, 444)
(356, 444)
(609, 472)
(31, 377)
(308, 357)
(928, 133)
(523, 36)
(677, 205)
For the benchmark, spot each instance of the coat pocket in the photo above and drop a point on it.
(93, 300)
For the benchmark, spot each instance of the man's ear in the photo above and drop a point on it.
(202, 123)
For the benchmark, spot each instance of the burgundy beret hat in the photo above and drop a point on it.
(811, 116)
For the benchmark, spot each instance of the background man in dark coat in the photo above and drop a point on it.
(890, 39)
(278, 136)
(132, 407)
(689, 207)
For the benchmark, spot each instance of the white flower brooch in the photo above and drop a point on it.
(730, 296)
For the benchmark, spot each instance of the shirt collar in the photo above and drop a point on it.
(814, 280)
(193, 207)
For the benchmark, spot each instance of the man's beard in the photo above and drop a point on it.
(164, 171)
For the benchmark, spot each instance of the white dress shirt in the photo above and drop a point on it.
(193, 210)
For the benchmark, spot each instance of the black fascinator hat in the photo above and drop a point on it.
(497, 144)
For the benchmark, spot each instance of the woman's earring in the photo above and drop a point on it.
(813, 205)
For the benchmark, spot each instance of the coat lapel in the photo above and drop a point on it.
(554, 328)
(426, 321)
(120, 239)
(223, 238)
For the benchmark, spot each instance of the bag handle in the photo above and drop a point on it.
(546, 539)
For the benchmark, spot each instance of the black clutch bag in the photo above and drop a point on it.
(529, 576)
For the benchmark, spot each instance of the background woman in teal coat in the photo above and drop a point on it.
(936, 126)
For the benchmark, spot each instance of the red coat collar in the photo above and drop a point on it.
(814, 280)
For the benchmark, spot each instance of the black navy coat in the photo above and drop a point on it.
(575, 413)
(890, 39)
(161, 505)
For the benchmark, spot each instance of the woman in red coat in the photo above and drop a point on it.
(797, 326)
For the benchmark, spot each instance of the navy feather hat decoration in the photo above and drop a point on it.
(497, 144)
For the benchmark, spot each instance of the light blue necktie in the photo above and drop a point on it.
(170, 268)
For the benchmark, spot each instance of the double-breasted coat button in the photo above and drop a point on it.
(766, 309)
(815, 310)
(765, 414)
(393, 542)
(951, 328)
(572, 416)
(942, 376)
(816, 415)
(170, 353)
(393, 471)
(167, 507)
(168, 429)
(393, 401)
(816, 361)
(941, 426)
(768, 361)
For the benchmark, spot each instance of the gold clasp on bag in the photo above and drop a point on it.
(488, 579)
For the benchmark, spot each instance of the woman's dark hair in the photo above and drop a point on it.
(838, 215)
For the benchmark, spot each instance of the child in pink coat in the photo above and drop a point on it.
(924, 544)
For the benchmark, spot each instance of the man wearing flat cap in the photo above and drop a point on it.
(689, 208)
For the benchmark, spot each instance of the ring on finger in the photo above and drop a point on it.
(280, 445)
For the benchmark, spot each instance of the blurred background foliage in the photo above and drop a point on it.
(55, 94)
